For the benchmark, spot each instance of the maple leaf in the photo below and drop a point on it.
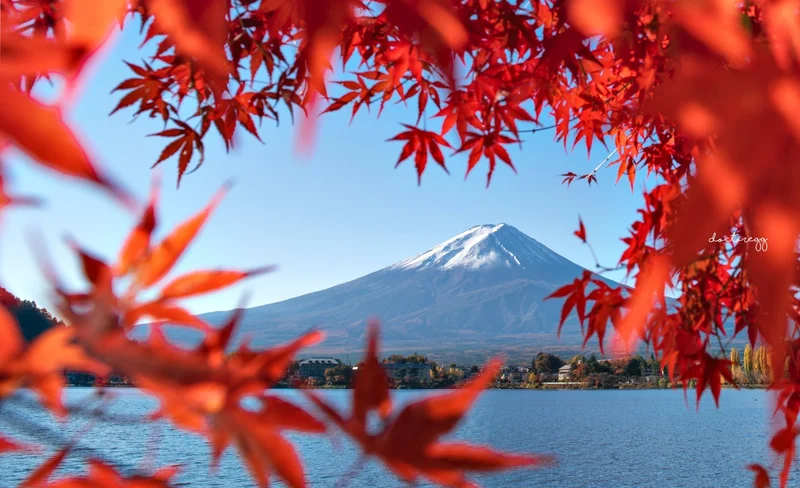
(39, 365)
(137, 244)
(202, 282)
(409, 442)
(710, 372)
(652, 280)
(761, 476)
(581, 232)
(785, 442)
(187, 139)
(9, 446)
(421, 142)
(596, 17)
(576, 298)
(569, 178)
(197, 27)
(165, 255)
(39, 476)
(27, 122)
(211, 403)
(488, 146)
(147, 90)
(34, 55)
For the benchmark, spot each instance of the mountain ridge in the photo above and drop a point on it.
(482, 289)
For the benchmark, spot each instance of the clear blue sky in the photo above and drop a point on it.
(324, 219)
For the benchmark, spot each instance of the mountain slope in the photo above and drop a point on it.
(484, 288)
(32, 320)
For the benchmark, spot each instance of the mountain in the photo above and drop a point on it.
(478, 293)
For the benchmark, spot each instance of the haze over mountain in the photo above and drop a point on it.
(482, 290)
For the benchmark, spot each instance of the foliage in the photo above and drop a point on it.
(747, 362)
(547, 363)
(341, 374)
(735, 364)
(682, 89)
(32, 320)
(412, 359)
(633, 367)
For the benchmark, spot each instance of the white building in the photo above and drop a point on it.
(565, 373)
(315, 367)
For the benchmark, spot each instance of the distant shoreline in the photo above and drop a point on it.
(504, 387)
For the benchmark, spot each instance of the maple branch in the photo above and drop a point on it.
(548, 127)
(604, 161)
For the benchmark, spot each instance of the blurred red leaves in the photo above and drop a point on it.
(762, 476)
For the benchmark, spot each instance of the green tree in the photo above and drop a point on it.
(341, 374)
(633, 367)
(654, 365)
(417, 359)
(547, 363)
(577, 359)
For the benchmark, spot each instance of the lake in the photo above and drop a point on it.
(606, 438)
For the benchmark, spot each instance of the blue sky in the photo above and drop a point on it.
(325, 218)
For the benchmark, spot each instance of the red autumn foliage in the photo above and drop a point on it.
(704, 94)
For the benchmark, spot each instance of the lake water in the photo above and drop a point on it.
(611, 438)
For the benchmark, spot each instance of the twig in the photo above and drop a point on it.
(604, 161)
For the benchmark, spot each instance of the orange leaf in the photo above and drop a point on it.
(39, 477)
(201, 282)
(479, 458)
(596, 17)
(370, 385)
(31, 55)
(167, 253)
(12, 342)
(137, 244)
(651, 280)
(8, 446)
(198, 28)
(92, 21)
(581, 232)
(762, 476)
(165, 312)
(40, 131)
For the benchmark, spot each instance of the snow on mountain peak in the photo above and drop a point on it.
(484, 246)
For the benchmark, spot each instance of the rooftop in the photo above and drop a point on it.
(319, 361)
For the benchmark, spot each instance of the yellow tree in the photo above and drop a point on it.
(734, 359)
(748, 359)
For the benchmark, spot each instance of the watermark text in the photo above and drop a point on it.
(761, 244)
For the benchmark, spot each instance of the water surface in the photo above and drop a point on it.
(611, 438)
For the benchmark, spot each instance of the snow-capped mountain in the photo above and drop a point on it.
(482, 289)
(485, 246)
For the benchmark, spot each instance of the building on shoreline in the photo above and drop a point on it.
(315, 367)
(565, 373)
